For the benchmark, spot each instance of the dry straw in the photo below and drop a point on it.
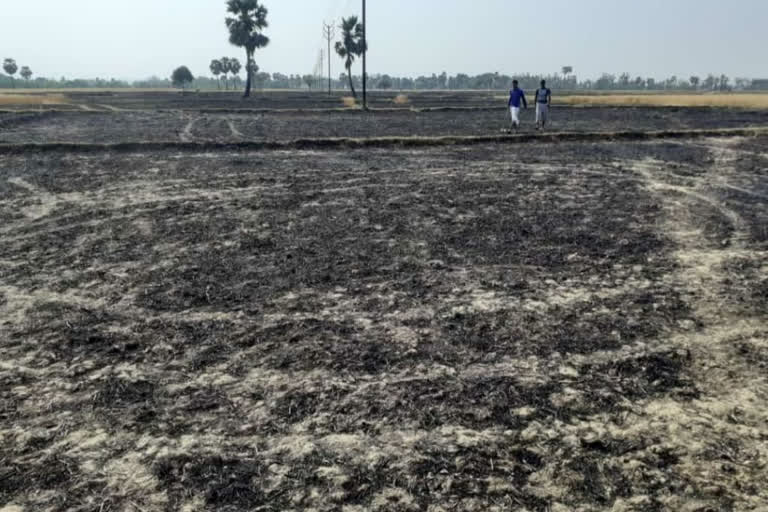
(668, 100)
(33, 99)
(401, 99)
(349, 101)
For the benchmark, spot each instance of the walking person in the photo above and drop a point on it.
(516, 98)
(543, 101)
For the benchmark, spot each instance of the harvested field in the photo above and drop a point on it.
(176, 100)
(102, 127)
(150, 100)
(755, 101)
(572, 326)
(12, 100)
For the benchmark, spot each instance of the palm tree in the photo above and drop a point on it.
(352, 45)
(234, 68)
(245, 29)
(216, 69)
(252, 69)
(26, 73)
(10, 67)
(225, 70)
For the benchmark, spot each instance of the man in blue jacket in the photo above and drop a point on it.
(516, 98)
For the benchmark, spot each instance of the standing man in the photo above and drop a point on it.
(543, 101)
(516, 96)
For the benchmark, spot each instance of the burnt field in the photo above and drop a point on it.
(186, 126)
(270, 99)
(533, 327)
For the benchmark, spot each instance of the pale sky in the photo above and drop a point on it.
(139, 38)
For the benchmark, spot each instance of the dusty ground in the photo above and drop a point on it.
(189, 126)
(490, 328)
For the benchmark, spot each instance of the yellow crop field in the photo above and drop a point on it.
(667, 100)
(33, 99)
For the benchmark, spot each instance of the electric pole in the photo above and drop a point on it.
(328, 32)
(365, 51)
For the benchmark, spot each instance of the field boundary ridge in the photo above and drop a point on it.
(380, 142)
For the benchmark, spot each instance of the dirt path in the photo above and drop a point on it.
(731, 414)
(45, 202)
(186, 135)
(233, 129)
(111, 108)
(87, 108)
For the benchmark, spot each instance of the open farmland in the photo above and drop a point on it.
(169, 99)
(235, 127)
(85, 99)
(475, 327)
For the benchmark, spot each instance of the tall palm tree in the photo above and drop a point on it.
(352, 45)
(249, 19)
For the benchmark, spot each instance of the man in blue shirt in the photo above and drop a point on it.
(516, 97)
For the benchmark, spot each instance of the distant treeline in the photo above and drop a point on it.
(442, 81)
(607, 82)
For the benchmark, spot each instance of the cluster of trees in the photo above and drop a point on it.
(10, 67)
(694, 83)
(387, 82)
(224, 67)
(563, 81)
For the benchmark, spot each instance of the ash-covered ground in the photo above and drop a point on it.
(109, 126)
(534, 327)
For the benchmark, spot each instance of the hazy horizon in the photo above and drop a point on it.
(91, 38)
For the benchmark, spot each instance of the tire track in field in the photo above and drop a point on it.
(235, 132)
(186, 135)
(46, 201)
(727, 383)
(111, 108)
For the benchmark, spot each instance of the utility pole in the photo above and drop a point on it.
(328, 32)
(365, 51)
